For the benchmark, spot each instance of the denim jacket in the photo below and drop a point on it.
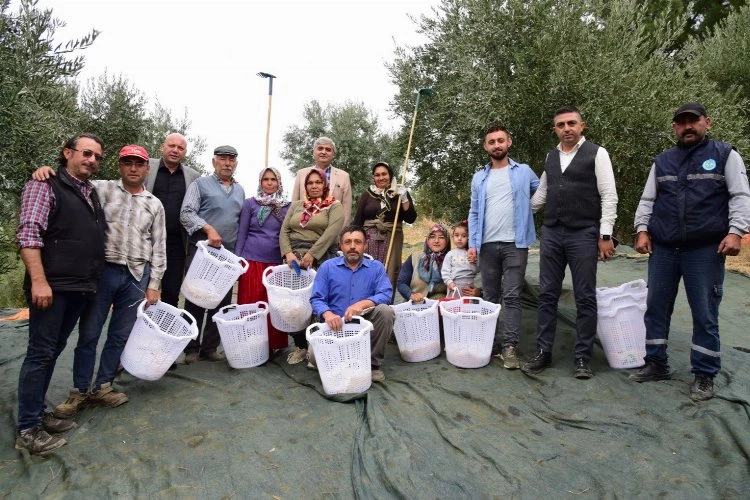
(523, 182)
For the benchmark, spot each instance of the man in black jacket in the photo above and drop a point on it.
(61, 241)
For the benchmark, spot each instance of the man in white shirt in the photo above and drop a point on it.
(578, 192)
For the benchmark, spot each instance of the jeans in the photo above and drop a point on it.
(48, 333)
(702, 273)
(119, 289)
(503, 268)
(578, 248)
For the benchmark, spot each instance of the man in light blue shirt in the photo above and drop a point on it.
(501, 229)
(351, 285)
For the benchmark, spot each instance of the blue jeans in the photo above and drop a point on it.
(48, 333)
(702, 273)
(578, 248)
(119, 289)
(503, 268)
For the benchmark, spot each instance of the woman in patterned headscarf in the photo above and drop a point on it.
(376, 211)
(310, 229)
(258, 243)
(420, 275)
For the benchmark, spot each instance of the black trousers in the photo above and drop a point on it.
(172, 279)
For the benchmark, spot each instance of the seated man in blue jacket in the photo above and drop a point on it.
(351, 285)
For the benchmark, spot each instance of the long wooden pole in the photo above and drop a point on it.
(403, 180)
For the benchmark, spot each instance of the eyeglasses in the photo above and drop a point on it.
(87, 153)
(132, 163)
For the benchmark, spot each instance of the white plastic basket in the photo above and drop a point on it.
(211, 275)
(159, 335)
(613, 300)
(417, 330)
(342, 357)
(622, 333)
(630, 288)
(244, 333)
(469, 328)
(289, 297)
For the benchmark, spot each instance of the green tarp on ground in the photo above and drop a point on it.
(430, 431)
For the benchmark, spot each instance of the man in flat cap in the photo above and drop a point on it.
(211, 212)
(694, 210)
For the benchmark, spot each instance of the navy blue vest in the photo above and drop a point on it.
(692, 200)
(573, 198)
(73, 253)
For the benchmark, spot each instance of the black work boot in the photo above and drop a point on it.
(538, 363)
(652, 371)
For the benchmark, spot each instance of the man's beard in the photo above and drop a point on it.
(499, 157)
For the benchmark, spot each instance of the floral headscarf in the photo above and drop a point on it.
(431, 263)
(383, 195)
(314, 206)
(270, 203)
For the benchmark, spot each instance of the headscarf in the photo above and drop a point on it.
(314, 206)
(431, 262)
(383, 195)
(270, 203)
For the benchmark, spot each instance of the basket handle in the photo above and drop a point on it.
(244, 264)
(187, 317)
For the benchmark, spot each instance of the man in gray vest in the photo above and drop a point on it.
(578, 192)
(211, 211)
(168, 180)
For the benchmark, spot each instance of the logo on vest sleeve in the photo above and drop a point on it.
(709, 165)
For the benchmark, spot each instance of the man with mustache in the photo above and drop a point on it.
(324, 151)
(501, 229)
(694, 210)
(351, 285)
(211, 211)
(578, 192)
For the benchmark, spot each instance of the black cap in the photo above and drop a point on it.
(225, 150)
(694, 108)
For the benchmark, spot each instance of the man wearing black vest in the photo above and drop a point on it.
(694, 210)
(61, 240)
(211, 211)
(168, 179)
(578, 192)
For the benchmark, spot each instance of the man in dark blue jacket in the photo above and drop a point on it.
(694, 210)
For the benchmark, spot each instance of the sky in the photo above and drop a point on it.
(204, 56)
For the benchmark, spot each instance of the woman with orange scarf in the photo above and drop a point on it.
(311, 227)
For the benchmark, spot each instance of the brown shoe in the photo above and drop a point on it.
(55, 425)
(108, 397)
(76, 401)
(213, 356)
(377, 375)
(191, 357)
(37, 442)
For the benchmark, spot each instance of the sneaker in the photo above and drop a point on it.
(55, 425)
(377, 375)
(582, 371)
(297, 356)
(108, 397)
(213, 356)
(191, 358)
(702, 387)
(76, 401)
(37, 442)
(510, 358)
(652, 371)
(538, 363)
(311, 364)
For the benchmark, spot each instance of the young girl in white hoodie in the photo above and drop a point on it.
(458, 273)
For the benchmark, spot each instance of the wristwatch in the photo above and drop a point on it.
(606, 237)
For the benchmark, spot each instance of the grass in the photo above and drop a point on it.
(741, 263)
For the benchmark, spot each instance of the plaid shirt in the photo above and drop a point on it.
(136, 233)
(37, 202)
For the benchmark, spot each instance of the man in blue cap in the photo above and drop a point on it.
(694, 210)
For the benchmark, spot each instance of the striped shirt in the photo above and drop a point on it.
(37, 202)
(135, 230)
